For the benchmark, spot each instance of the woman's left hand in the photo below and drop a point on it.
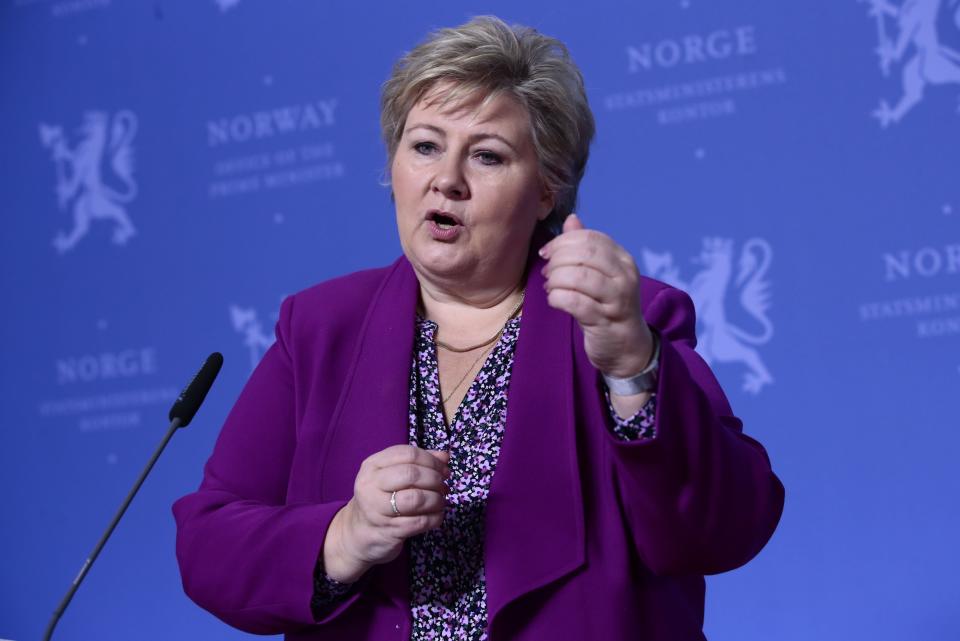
(594, 279)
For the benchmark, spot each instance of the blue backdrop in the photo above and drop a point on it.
(172, 169)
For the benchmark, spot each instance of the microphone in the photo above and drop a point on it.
(196, 390)
(181, 413)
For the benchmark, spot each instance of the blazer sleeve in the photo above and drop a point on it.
(700, 496)
(247, 555)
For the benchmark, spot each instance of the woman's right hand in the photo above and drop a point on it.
(366, 531)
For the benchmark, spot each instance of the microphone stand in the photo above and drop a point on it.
(180, 415)
(174, 424)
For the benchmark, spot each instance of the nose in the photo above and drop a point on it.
(450, 179)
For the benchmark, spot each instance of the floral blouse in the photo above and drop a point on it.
(447, 584)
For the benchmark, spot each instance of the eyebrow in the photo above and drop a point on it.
(480, 135)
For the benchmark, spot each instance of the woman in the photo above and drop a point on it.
(579, 487)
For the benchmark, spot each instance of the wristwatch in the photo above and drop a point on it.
(645, 381)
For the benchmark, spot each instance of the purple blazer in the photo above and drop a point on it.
(587, 536)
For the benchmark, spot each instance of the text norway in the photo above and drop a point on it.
(266, 124)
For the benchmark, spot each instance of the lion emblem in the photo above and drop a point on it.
(247, 323)
(927, 61)
(718, 339)
(80, 179)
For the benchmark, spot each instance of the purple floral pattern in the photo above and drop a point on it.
(447, 585)
(639, 426)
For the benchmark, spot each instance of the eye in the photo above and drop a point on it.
(424, 148)
(488, 157)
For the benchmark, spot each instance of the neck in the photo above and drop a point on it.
(465, 316)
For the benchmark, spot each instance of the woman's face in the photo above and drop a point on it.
(468, 191)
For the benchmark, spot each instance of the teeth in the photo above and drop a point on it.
(444, 225)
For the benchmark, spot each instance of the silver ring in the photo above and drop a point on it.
(393, 503)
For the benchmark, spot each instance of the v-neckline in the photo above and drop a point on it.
(438, 407)
(448, 427)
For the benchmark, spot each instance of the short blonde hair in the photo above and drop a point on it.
(487, 57)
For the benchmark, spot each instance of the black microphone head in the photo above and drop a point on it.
(196, 390)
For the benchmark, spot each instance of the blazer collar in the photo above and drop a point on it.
(534, 520)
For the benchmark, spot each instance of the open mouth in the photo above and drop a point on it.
(443, 219)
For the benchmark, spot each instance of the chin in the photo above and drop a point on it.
(441, 261)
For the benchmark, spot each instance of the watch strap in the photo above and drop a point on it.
(645, 381)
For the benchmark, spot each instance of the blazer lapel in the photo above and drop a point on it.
(535, 521)
(371, 413)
